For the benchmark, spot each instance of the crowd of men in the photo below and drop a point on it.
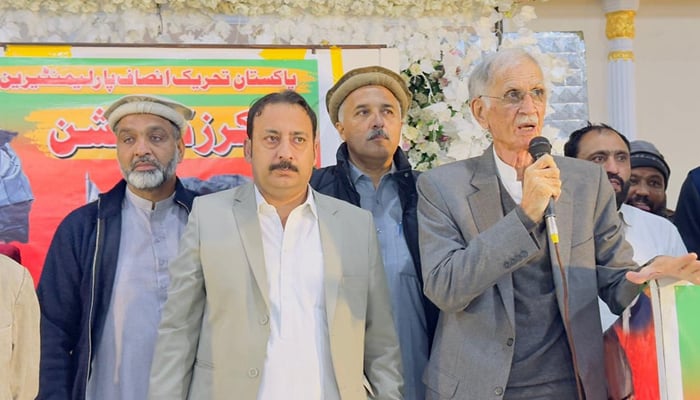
(479, 279)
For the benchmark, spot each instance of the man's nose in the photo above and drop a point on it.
(527, 105)
(284, 150)
(641, 188)
(611, 166)
(142, 147)
(377, 120)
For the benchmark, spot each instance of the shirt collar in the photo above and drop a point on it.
(356, 173)
(509, 178)
(148, 205)
(264, 207)
(625, 207)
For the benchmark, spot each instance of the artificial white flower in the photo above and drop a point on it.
(524, 15)
(434, 40)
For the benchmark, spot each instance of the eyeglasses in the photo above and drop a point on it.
(516, 97)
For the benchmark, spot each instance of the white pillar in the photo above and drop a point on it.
(619, 29)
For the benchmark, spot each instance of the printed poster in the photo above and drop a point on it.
(57, 151)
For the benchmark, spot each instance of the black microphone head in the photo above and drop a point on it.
(539, 146)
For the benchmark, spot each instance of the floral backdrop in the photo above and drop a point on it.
(439, 42)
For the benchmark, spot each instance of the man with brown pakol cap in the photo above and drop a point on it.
(105, 278)
(367, 106)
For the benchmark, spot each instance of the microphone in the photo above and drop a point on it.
(539, 146)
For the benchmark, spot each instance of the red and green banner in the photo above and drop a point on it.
(687, 303)
(677, 338)
(63, 149)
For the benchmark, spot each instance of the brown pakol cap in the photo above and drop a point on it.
(367, 76)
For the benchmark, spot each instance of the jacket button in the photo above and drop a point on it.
(498, 391)
(253, 373)
(509, 342)
(264, 320)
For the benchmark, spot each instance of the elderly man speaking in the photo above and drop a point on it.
(519, 312)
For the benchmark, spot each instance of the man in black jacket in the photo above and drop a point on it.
(106, 277)
(367, 106)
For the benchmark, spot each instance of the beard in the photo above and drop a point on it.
(153, 179)
(655, 208)
(621, 196)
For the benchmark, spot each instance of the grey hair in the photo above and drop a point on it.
(482, 75)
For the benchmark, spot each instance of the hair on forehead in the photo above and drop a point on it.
(482, 75)
(571, 147)
(285, 97)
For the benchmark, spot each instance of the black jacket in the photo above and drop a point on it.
(75, 290)
(335, 181)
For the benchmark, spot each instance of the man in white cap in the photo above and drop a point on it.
(105, 278)
(368, 106)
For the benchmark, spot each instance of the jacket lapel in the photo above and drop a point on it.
(485, 215)
(329, 229)
(245, 212)
(564, 217)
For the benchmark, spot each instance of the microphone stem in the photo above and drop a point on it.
(551, 222)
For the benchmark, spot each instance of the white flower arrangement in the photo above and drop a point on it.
(439, 42)
(251, 8)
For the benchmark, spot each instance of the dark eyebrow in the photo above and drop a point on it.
(383, 105)
(601, 153)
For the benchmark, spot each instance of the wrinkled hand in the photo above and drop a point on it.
(540, 183)
(685, 267)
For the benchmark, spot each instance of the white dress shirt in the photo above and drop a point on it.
(149, 239)
(649, 235)
(509, 179)
(298, 361)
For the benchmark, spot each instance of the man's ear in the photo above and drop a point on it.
(341, 130)
(180, 150)
(479, 111)
(248, 150)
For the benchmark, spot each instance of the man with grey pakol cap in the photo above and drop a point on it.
(649, 179)
(106, 277)
(367, 106)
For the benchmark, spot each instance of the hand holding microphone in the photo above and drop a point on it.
(541, 185)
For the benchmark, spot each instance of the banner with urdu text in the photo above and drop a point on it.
(56, 148)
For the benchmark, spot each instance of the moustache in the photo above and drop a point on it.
(145, 159)
(284, 165)
(641, 199)
(527, 120)
(616, 177)
(377, 133)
